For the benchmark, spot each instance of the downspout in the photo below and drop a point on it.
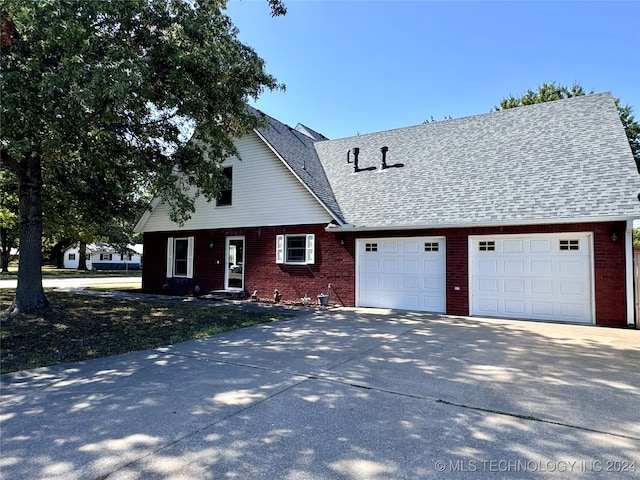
(630, 288)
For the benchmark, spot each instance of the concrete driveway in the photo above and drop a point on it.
(338, 394)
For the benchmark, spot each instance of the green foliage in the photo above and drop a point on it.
(99, 99)
(103, 93)
(636, 238)
(548, 92)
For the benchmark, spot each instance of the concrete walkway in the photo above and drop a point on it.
(338, 394)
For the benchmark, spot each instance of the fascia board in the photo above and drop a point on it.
(139, 228)
(520, 222)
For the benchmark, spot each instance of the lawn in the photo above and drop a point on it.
(49, 271)
(80, 327)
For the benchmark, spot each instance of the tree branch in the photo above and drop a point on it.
(10, 164)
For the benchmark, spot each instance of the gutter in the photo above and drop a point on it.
(350, 228)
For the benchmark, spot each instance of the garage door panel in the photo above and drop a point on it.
(571, 267)
(544, 276)
(432, 267)
(410, 247)
(410, 271)
(390, 282)
(371, 281)
(487, 266)
(389, 247)
(514, 285)
(513, 267)
(574, 310)
(541, 267)
(542, 310)
(489, 305)
(433, 284)
(514, 307)
(568, 287)
(410, 266)
(542, 286)
(390, 266)
(431, 303)
(513, 246)
(371, 266)
(410, 281)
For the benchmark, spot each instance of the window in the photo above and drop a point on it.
(180, 257)
(72, 256)
(295, 249)
(569, 245)
(124, 256)
(431, 246)
(225, 193)
(370, 247)
(106, 257)
(488, 246)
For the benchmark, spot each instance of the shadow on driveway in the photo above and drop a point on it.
(338, 394)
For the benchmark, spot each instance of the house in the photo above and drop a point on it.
(521, 213)
(102, 256)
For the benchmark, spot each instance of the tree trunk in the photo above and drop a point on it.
(29, 293)
(57, 254)
(4, 249)
(82, 256)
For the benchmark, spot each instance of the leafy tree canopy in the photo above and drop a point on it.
(548, 92)
(96, 99)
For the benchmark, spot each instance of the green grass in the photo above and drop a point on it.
(48, 271)
(80, 327)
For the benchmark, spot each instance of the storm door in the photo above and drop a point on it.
(234, 277)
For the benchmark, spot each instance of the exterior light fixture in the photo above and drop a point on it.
(613, 235)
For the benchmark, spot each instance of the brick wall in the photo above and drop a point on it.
(335, 263)
(609, 263)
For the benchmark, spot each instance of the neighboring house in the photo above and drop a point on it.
(521, 213)
(102, 256)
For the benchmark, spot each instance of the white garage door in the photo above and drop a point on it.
(403, 273)
(543, 277)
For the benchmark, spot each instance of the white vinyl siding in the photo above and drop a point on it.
(265, 193)
(295, 249)
(180, 257)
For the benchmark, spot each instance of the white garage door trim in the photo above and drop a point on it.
(558, 265)
(406, 273)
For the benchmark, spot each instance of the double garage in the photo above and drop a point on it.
(531, 276)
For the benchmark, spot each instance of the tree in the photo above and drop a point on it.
(8, 217)
(97, 97)
(548, 92)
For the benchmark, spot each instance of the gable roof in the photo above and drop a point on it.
(296, 149)
(567, 160)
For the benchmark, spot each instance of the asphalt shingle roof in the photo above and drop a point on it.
(297, 150)
(555, 161)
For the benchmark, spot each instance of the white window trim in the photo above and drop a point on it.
(310, 249)
(170, 257)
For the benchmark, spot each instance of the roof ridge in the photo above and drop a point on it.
(477, 115)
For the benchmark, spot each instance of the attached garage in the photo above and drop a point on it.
(539, 277)
(402, 273)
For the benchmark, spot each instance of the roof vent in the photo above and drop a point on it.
(356, 152)
(384, 151)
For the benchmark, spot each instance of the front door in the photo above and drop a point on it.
(234, 276)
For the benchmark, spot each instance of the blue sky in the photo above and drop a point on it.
(354, 67)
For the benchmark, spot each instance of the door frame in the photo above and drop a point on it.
(360, 246)
(227, 258)
(587, 235)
